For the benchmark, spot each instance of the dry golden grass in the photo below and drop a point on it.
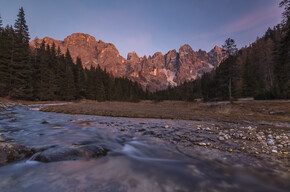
(273, 111)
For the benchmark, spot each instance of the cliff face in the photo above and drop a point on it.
(156, 72)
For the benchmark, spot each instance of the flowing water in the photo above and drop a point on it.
(84, 153)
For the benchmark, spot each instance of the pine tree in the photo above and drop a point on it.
(282, 69)
(69, 85)
(249, 82)
(231, 49)
(4, 60)
(21, 69)
(1, 24)
(79, 79)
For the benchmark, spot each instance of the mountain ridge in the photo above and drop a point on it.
(156, 72)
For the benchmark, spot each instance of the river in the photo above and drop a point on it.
(93, 153)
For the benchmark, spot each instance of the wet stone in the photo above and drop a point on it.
(70, 153)
(221, 138)
(271, 142)
(44, 122)
(202, 144)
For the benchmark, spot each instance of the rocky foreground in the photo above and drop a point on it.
(260, 145)
(5, 105)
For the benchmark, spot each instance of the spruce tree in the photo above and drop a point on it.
(1, 24)
(282, 69)
(21, 82)
(4, 60)
(249, 82)
(69, 85)
(79, 79)
(231, 49)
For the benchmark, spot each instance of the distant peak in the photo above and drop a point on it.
(157, 54)
(82, 36)
(216, 47)
(185, 48)
(132, 55)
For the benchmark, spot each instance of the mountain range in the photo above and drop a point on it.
(154, 73)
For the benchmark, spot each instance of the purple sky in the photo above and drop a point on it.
(148, 26)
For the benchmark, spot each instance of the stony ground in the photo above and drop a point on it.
(262, 143)
(256, 132)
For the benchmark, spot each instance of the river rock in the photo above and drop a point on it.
(202, 144)
(271, 142)
(70, 153)
(221, 138)
(13, 152)
(259, 138)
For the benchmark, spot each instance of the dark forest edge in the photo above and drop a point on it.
(261, 70)
(45, 74)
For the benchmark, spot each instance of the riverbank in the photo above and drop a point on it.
(5, 104)
(241, 111)
(191, 150)
(245, 129)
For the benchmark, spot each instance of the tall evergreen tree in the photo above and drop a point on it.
(69, 85)
(4, 60)
(231, 49)
(282, 69)
(249, 82)
(1, 23)
(21, 83)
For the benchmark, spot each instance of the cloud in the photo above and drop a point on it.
(251, 20)
(249, 25)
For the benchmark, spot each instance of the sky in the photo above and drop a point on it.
(148, 26)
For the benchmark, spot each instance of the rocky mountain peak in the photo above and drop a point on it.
(157, 54)
(133, 56)
(155, 72)
(80, 39)
(185, 48)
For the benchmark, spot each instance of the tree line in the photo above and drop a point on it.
(261, 70)
(44, 73)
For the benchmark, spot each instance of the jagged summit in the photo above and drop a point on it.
(153, 72)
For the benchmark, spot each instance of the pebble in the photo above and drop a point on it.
(227, 136)
(261, 133)
(236, 135)
(274, 151)
(259, 138)
(221, 138)
(270, 142)
(202, 144)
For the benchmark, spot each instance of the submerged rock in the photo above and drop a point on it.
(12, 152)
(70, 153)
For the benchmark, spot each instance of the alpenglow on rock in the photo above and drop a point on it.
(154, 73)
